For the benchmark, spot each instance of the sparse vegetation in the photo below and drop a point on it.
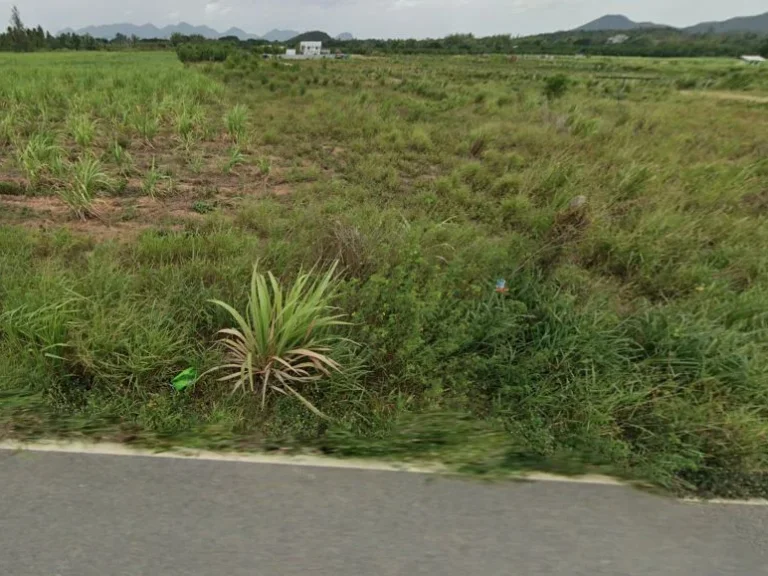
(535, 277)
(153, 180)
(236, 158)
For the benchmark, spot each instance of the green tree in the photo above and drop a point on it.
(17, 34)
(764, 49)
(16, 24)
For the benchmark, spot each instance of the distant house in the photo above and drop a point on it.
(308, 51)
(618, 39)
(753, 59)
(310, 48)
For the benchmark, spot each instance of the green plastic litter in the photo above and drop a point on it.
(185, 379)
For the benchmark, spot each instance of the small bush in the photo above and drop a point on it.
(556, 86)
(203, 52)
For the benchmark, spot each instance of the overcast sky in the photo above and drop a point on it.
(377, 18)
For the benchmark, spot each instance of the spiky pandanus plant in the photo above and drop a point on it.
(285, 337)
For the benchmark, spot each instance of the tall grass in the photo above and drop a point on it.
(88, 178)
(39, 158)
(82, 129)
(147, 124)
(236, 121)
(154, 179)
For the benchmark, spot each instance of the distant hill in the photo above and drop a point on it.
(146, 31)
(240, 33)
(314, 36)
(109, 31)
(280, 35)
(618, 22)
(757, 24)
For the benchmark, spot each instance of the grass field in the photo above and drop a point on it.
(624, 203)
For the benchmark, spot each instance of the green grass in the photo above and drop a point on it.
(632, 337)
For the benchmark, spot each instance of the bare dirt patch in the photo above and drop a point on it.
(126, 217)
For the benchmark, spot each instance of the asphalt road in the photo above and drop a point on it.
(82, 515)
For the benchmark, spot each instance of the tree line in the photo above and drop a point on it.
(660, 43)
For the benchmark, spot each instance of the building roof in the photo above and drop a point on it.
(748, 58)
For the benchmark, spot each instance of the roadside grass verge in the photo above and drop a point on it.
(624, 219)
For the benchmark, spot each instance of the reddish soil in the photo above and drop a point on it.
(191, 186)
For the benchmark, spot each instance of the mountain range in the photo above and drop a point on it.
(146, 31)
(619, 22)
(610, 22)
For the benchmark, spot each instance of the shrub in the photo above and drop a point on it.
(284, 338)
(556, 86)
(203, 52)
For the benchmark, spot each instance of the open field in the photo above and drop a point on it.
(627, 217)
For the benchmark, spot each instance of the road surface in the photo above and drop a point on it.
(85, 514)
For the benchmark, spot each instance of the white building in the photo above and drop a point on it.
(753, 59)
(307, 51)
(310, 48)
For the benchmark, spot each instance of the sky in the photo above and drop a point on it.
(377, 18)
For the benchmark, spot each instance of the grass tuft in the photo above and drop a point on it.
(88, 178)
(284, 338)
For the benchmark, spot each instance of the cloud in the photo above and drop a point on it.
(405, 4)
(432, 4)
(217, 8)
